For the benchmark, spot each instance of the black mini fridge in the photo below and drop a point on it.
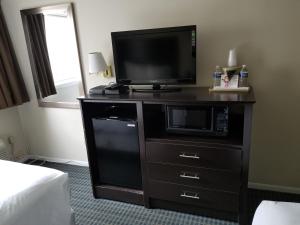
(117, 152)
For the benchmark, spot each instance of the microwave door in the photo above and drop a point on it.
(177, 118)
(199, 119)
(190, 118)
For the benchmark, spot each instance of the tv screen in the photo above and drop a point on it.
(155, 56)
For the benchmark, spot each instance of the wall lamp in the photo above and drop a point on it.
(97, 65)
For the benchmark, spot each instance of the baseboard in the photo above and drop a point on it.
(23, 158)
(58, 160)
(277, 188)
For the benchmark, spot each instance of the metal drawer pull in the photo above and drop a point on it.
(194, 156)
(184, 175)
(193, 196)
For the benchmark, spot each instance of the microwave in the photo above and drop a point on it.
(197, 120)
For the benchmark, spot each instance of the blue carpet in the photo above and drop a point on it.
(90, 211)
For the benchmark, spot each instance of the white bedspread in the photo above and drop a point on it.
(277, 213)
(33, 195)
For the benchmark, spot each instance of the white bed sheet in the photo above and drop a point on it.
(277, 213)
(33, 195)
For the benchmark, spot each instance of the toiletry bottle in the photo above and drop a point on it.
(243, 79)
(217, 76)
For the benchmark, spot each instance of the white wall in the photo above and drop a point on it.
(10, 125)
(54, 132)
(266, 33)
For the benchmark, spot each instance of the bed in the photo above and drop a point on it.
(33, 195)
(277, 213)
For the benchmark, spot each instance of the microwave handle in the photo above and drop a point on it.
(212, 119)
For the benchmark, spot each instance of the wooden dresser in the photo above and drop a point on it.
(198, 174)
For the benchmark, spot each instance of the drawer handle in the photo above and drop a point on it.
(192, 156)
(184, 175)
(189, 195)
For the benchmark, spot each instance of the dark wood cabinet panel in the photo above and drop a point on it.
(191, 95)
(193, 155)
(197, 177)
(194, 196)
(120, 194)
(185, 172)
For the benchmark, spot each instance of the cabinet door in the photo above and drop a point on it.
(117, 152)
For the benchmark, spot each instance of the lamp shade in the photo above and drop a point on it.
(96, 62)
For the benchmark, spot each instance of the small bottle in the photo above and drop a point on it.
(217, 76)
(243, 80)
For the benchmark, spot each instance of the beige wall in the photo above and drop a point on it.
(266, 33)
(10, 126)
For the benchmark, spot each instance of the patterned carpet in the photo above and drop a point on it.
(90, 211)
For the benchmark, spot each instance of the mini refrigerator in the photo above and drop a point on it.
(117, 152)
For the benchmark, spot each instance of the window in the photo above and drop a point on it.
(62, 49)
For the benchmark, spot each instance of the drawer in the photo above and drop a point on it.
(205, 198)
(193, 176)
(195, 156)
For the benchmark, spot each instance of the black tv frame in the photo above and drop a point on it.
(156, 83)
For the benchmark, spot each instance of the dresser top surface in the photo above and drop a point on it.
(190, 95)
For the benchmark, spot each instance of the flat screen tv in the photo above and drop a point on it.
(155, 56)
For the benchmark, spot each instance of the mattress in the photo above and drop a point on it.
(277, 213)
(33, 195)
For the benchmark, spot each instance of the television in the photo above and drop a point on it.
(163, 56)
